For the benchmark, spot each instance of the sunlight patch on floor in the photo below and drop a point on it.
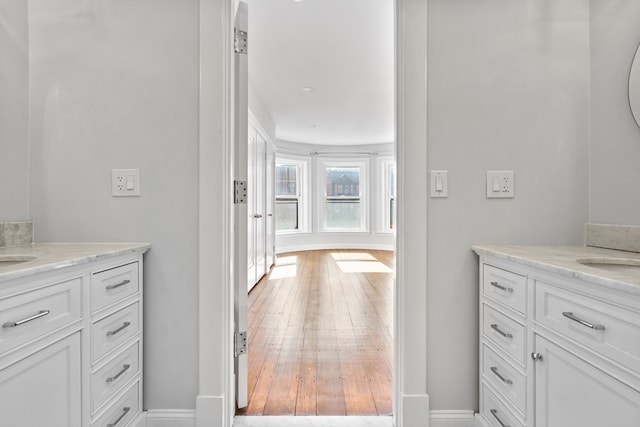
(283, 272)
(287, 260)
(352, 256)
(363, 267)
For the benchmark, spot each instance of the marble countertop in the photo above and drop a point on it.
(52, 256)
(564, 260)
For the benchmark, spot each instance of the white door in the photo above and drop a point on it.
(270, 207)
(240, 129)
(252, 209)
(570, 392)
(260, 205)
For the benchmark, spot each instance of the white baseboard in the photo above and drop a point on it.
(328, 246)
(171, 418)
(452, 419)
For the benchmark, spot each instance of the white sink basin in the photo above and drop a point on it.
(8, 260)
(618, 265)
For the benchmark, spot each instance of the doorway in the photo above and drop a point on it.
(215, 404)
(358, 28)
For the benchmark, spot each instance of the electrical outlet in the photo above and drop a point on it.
(500, 185)
(125, 182)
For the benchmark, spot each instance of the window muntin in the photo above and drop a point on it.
(390, 185)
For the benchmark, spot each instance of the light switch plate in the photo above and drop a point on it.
(500, 185)
(439, 184)
(125, 182)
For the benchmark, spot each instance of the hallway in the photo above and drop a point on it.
(320, 335)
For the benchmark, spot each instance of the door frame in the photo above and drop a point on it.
(215, 403)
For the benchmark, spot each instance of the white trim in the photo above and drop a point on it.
(320, 206)
(414, 412)
(323, 246)
(170, 418)
(213, 406)
(452, 419)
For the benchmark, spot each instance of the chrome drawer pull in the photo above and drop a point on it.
(494, 412)
(503, 288)
(124, 413)
(116, 376)
(124, 325)
(570, 315)
(494, 326)
(40, 314)
(494, 369)
(117, 285)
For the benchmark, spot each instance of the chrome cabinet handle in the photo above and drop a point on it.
(503, 288)
(124, 325)
(571, 316)
(124, 413)
(116, 376)
(494, 369)
(269, 214)
(40, 314)
(494, 412)
(494, 326)
(536, 357)
(117, 285)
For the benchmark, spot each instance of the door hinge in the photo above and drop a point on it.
(239, 192)
(240, 343)
(240, 41)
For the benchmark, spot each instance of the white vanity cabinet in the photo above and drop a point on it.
(71, 343)
(556, 349)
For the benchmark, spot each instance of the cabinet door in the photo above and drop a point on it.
(570, 392)
(44, 388)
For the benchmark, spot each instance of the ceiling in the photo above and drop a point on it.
(343, 50)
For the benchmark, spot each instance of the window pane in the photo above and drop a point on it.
(343, 214)
(392, 214)
(392, 182)
(286, 180)
(286, 214)
(343, 182)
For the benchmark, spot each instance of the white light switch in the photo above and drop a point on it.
(500, 185)
(438, 184)
(125, 182)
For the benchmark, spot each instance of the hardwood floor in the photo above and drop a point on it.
(320, 335)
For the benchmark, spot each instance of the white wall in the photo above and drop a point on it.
(14, 111)
(508, 90)
(615, 137)
(313, 237)
(114, 84)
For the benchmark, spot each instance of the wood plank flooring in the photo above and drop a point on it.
(320, 335)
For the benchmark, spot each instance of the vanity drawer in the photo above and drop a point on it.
(30, 315)
(504, 332)
(505, 378)
(604, 328)
(111, 377)
(495, 412)
(113, 285)
(125, 409)
(505, 287)
(114, 330)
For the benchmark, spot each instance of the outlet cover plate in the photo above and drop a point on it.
(500, 185)
(125, 182)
